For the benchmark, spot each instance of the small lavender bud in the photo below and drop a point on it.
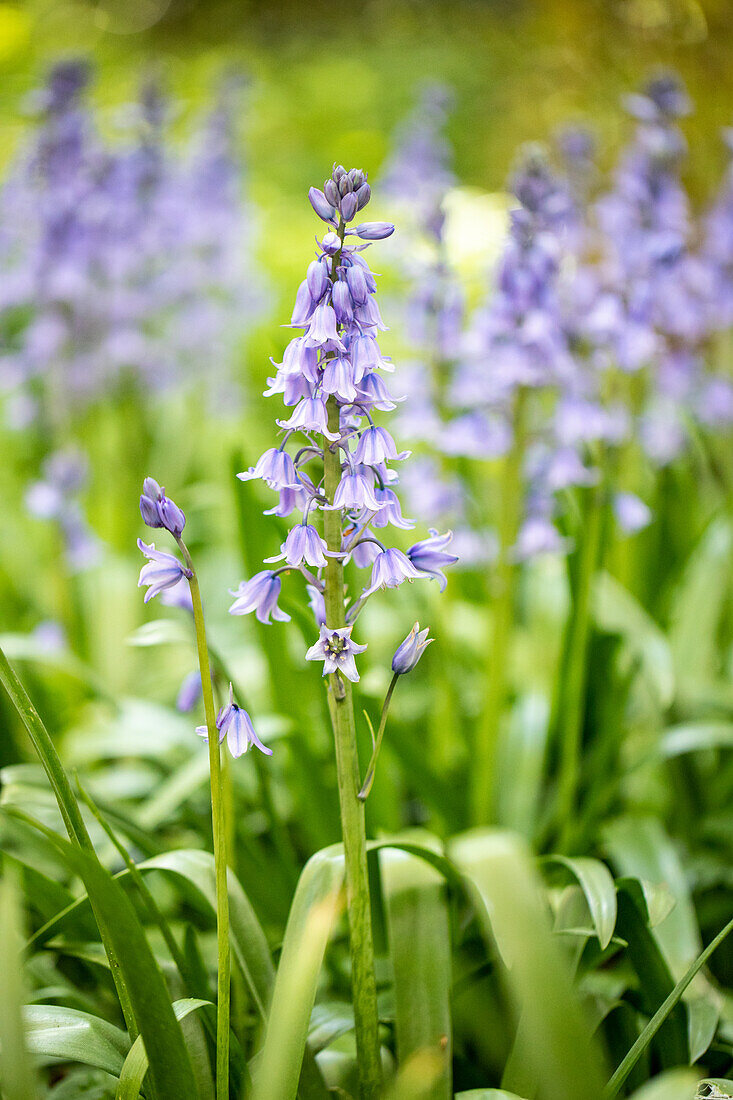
(409, 652)
(317, 279)
(363, 196)
(149, 511)
(171, 516)
(374, 231)
(321, 205)
(345, 186)
(348, 206)
(357, 178)
(332, 192)
(151, 488)
(331, 243)
(338, 172)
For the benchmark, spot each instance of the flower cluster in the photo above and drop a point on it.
(118, 260)
(332, 377)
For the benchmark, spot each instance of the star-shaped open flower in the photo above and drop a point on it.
(336, 649)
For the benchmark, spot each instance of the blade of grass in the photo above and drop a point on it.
(662, 1014)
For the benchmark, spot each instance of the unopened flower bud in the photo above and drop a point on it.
(332, 192)
(410, 651)
(357, 178)
(345, 185)
(338, 172)
(149, 511)
(317, 279)
(331, 243)
(321, 205)
(374, 231)
(363, 196)
(348, 206)
(171, 516)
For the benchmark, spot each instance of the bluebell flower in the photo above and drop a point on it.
(260, 594)
(234, 723)
(409, 652)
(303, 544)
(276, 468)
(429, 556)
(632, 514)
(337, 651)
(391, 567)
(317, 604)
(162, 570)
(189, 692)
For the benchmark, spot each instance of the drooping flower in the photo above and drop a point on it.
(429, 557)
(161, 571)
(391, 567)
(234, 723)
(336, 649)
(303, 544)
(409, 652)
(260, 594)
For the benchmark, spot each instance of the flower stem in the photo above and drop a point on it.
(220, 840)
(575, 665)
(510, 513)
(353, 825)
(369, 777)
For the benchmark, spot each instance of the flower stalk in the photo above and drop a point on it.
(353, 824)
(223, 986)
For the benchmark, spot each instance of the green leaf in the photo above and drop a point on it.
(67, 1035)
(419, 940)
(507, 897)
(618, 612)
(170, 1068)
(17, 1076)
(136, 1063)
(315, 906)
(702, 1021)
(675, 1084)
(639, 847)
(596, 882)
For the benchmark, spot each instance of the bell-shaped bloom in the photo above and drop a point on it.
(342, 304)
(366, 356)
(259, 594)
(304, 307)
(235, 724)
(391, 511)
(276, 468)
(373, 393)
(391, 567)
(409, 652)
(322, 328)
(303, 544)
(354, 492)
(376, 445)
(337, 651)
(310, 416)
(430, 558)
(356, 279)
(161, 571)
(338, 378)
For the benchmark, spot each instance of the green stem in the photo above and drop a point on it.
(510, 513)
(353, 824)
(220, 840)
(575, 666)
(369, 778)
